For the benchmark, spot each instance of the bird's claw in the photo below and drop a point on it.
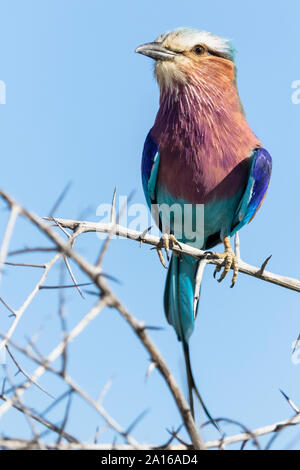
(230, 261)
(167, 242)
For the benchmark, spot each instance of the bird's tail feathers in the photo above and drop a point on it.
(192, 387)
(179, 295)
(180, 310)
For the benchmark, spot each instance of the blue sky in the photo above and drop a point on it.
(78, 107)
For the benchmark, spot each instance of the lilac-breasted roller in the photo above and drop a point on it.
(200, 151)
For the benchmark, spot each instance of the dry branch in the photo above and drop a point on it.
(65, 250)
(259, 273)
(109, 299)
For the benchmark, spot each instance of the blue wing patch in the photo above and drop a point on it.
(150, 164)
(258, 182)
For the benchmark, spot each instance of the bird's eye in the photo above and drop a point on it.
(199, 50)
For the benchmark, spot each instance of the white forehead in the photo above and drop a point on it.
(186, 38)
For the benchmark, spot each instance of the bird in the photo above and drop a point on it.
(200, 153)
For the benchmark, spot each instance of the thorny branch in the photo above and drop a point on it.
(258, 272)
(64, 250)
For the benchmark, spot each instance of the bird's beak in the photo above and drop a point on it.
(156, 51)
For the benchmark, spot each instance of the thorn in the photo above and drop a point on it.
(96, 435)
(91, 292)
(113, 207)
(174, 434)
(263, 266)
(296, 344)
(72, 275)
(66, 286)
(166, 445)
(143, 327)
(60, 199)
(136, 421)
(153, 328)
(151, 368)
(141, 238)
(110, 278)
(57, 224)
(294, 407)
(3, 386)
(104, 391)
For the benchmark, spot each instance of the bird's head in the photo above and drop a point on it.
(186, 55)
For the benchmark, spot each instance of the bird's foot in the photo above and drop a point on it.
(230, 261)
(167, 242)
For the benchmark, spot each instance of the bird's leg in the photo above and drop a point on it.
(166, 242)
(230, 261)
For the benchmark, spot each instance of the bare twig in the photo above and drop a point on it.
(8, 234)
(26, 265)
(290, 402)
(20, 369)
(41, 420)
(246, 436)
(18, 313)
